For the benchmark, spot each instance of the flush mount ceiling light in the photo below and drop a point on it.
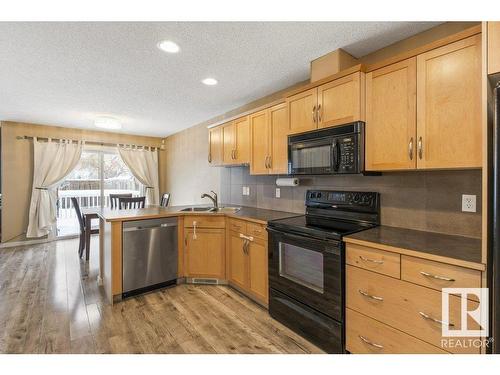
(107, 123)
(209, 81)
(169, 46)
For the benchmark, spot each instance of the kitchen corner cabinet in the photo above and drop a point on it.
(236, 141)
(334, 103)
(215, 146)
(204, 247)
(424, 112)
(268, 141)
(493, 29)
(248, 259)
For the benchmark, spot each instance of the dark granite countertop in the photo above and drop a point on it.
(260, 214)
(423, 244)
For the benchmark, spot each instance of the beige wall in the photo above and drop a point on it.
(17, 166)
(188, 172)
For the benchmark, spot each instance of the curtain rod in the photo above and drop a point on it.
(94, 143)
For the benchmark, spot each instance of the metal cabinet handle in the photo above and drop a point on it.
(314, 114)
(366, 341)
(410, 148)
(420, 148)
(369, 295)
(428, 317)
(270, 162)
(430, 275)
(235, 154)
(245, 246)
(209, 158)
(319, 113)
(371, 260)
(249, 238)
(267, 162)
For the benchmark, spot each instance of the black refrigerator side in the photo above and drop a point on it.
(494, 225)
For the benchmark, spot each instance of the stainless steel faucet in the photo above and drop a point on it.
(213, 199)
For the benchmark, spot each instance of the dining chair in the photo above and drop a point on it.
(165, 198)
(131, 203)
(81, 221)
(113, 199)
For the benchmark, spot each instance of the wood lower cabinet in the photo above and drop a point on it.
(204, 252)
(449, 133)
(215, 147)
(248, 261)
(269, 142)
(391, 121)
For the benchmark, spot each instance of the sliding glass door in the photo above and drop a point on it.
(99, 173)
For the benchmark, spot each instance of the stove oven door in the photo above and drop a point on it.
(308, 270)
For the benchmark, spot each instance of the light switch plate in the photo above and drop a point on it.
(468, 203)
(278, 192)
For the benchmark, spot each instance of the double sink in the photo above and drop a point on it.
(227, 209)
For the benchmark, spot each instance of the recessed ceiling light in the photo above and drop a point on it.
(105, 122)
(209, 81)
(169, 46)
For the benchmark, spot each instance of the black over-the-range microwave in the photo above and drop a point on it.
(336, 150)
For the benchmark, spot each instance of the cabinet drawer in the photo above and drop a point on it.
(405, 306)
(380, 261)
(368, 336)
(204, 221)
(257, 230)
(239, 226)
(438, 275)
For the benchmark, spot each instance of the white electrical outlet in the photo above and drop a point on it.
(468, 203)
(244, 190)
(248, 190)
(278, 192)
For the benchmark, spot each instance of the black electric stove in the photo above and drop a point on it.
(307, 263)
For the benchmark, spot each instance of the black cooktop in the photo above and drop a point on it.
(321, 228)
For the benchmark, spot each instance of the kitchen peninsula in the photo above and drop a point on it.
(209, 229)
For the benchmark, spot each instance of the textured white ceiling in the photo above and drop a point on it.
(66, 74)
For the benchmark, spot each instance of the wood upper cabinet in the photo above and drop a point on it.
(269, 141)
(334, 103)
(302, 111)
(215, 147)
(391, 122)
(449, 106)
(236, 139)
(205, 252)
(229, 142)
(493, 29)
(341, 101)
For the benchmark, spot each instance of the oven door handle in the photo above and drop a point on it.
(332, 246)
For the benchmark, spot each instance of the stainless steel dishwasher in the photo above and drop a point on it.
(149, 255)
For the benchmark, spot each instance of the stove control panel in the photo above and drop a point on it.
(342, 199)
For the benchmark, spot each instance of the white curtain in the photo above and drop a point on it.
(53, 161)
(143, 164)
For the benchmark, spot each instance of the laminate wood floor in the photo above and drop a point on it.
(50, 303)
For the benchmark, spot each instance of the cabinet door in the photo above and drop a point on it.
(229, 142)
(302, 111)
(259, 128)
(242, 129)
(449, 106)
(278, 126)
(205, 252)
(391, 117)
(340, 101)
(493, 47)
(215, 146)
(258, 278)
(237, 261)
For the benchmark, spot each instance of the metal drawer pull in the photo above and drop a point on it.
(369, 295)
(436, 276)
(366, 341)
(371, 260)
(428, 317)
(249, 238)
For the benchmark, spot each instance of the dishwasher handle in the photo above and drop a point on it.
(137, 228)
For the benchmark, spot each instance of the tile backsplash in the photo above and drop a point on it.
(422, 200)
